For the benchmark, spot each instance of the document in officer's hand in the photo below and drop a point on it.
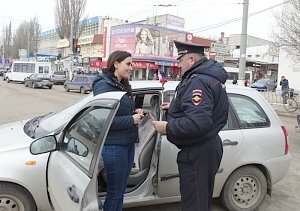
(152, 117)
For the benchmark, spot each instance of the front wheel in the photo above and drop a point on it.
(245, 189)
(290, 105)
(66, 88)
(14, 197)
(82, 90)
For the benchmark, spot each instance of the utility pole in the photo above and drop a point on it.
(243, 44)
(71, 41)
(3, 56)
(161, 5)
(28, 37)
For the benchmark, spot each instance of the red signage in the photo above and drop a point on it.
(98, 63)
(144, 65)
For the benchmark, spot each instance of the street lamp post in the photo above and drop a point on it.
(162, 5)
(242, 60)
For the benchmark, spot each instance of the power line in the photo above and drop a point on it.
(213, 26)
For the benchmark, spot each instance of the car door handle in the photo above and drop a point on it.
(228, 142)
(72, 194)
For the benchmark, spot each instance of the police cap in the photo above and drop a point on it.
(184, 48)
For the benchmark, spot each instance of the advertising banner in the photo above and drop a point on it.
(145, 40)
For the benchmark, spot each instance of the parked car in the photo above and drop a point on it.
(4, 74)
(54, 159)
(38, 80)
(264, 85)
(2, 71)
(59, 77)
(80, 82)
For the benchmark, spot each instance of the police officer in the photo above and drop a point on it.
(195, 116)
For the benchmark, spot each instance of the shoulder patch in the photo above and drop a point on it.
(197, 96)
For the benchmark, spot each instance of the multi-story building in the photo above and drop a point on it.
(150, 42)
(262, 56)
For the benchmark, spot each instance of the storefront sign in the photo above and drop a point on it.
(63, 43)
(85, 40)
(144, 65)
(92, 50)
(98, 64)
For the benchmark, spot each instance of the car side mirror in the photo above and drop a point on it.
(43, 145)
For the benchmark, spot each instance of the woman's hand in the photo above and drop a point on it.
(164, 106)
(137, 118)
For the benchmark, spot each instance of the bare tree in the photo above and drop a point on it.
(7, 41)
(26, 37)
(68, 14)
(287, 32)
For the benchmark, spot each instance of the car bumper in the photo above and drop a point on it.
(59, 81)
(43, 83)
(278, 167)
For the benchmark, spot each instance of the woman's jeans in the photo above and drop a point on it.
(118, 162)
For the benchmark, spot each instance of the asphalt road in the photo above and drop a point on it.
(18, 102)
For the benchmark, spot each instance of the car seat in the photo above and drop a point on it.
(143, 149)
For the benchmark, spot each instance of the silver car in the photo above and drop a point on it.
(53, 161)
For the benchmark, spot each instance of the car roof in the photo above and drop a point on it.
(171, 85)
(155, 84)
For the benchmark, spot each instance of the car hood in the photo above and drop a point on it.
(257, 85)
(13, 136)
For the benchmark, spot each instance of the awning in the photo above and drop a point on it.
(98, 64)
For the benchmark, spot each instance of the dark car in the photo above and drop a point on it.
(82, 83)
(264, 85)
(59, 77)
(38, 80)
(2, 71)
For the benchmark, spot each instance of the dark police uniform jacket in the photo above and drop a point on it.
(122, 130)
(199, 108)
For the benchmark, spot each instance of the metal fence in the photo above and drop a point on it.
(276, 100)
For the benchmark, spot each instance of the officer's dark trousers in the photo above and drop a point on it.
(198, 165)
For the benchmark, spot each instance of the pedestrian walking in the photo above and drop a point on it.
(118, 151)
(198, 111)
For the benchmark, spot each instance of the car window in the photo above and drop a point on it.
(149, 102)
(249, 113)
(81, 139)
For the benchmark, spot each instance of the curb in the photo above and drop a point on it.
(286, 114)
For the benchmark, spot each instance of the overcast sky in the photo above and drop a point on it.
(200, 15)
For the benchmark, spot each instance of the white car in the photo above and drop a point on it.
(53, 162)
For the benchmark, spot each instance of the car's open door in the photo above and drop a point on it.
(73, 170)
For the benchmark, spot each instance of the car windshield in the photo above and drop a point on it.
(54, 121)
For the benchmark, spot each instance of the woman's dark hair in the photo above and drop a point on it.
(118, 56)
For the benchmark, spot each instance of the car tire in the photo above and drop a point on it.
(245, 189)
(16, 197)
(66, 88)
(82, 90)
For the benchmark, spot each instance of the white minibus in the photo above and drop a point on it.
(23, 69)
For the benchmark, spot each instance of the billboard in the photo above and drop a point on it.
(145, 40)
